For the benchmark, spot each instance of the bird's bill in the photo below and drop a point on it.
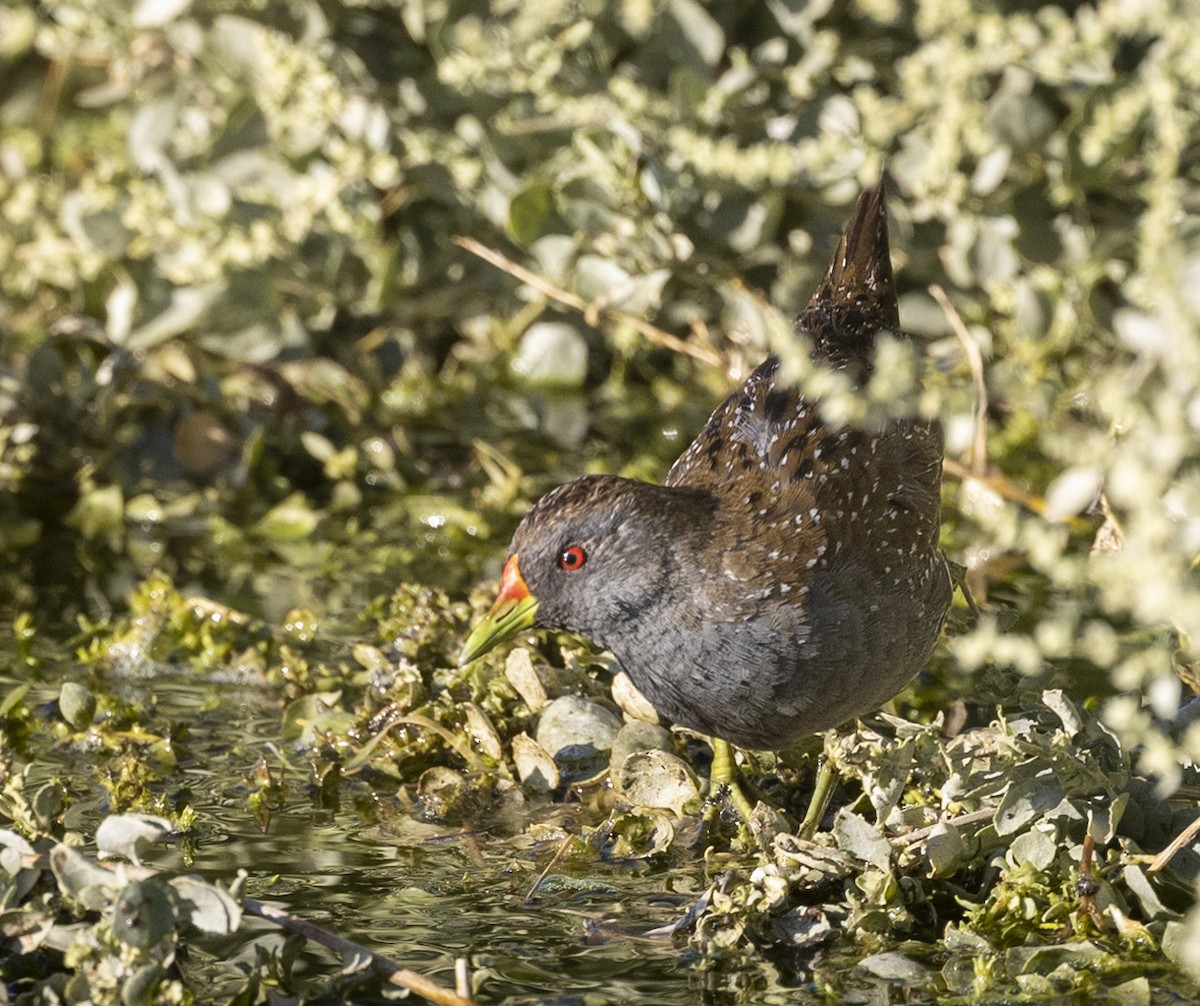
(515, 611)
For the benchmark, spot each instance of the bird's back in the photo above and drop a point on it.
(823, 584)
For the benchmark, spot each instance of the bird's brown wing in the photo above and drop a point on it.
(755, 456)
(791, 489)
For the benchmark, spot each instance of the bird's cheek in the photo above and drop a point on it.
(571, 609)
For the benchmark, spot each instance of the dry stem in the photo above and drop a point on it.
(593, 311)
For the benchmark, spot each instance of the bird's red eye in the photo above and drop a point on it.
(572, 558)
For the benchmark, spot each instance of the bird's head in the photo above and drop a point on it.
(591, 557)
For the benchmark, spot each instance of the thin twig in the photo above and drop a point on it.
(1006, 488)
(48, 104)
(592, 312)
(977, 455)
(393, 972)
(1182, 839)
(972, 607)
(562, 848)
(998, 482)
(1088, 887)
(921, 834)
(462, 978)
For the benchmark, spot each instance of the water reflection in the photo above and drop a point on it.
(422, 902)
(424, 907)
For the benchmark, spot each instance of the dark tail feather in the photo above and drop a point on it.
(857, 297)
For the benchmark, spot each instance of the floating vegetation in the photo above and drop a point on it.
(302, 306)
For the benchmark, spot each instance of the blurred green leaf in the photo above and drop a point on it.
(291, 520)
(529, 211)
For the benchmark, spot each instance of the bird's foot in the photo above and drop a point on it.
(724, 776)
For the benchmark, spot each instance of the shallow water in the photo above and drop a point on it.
(421, 895)
(420, 899)
(362, 869)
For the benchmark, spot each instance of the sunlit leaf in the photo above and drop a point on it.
(864, 842)
(89, 883)
(291, 520)
(77, 704)
(130, 835)
(206, 906)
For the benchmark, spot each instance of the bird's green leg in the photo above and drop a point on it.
(822, 791)
(724, 773)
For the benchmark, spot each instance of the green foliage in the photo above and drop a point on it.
(244, 364)
(117, 934)
(985, 831)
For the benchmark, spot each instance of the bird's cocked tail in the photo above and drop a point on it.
(857, 297)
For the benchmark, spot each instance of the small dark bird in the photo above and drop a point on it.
(786, 575)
